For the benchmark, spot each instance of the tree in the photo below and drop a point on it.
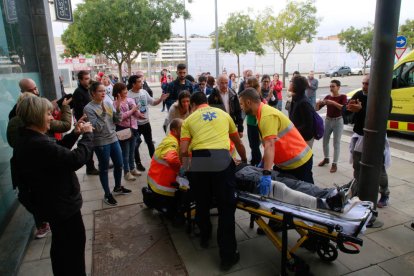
(359, 41)
(407, 30)
(295, 23)
(239, 36)
(121, 29)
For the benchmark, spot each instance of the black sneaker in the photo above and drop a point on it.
(336, 203)
(92, 171)
(121, 190)
(110, 200)
(140, 167)
(226, 265)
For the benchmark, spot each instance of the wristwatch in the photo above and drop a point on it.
(267, 172)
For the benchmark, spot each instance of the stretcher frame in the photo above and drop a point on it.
(316, 237)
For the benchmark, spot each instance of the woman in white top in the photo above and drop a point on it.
(180, 109)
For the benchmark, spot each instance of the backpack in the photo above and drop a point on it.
(319, 127)
(318, 124)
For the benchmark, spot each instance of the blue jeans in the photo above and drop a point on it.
(128, 151)
(103, 153)
(312, 100)
(335, 125)
(279, 105)
(254, 143)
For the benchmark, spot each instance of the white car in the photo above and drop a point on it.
(360, 70)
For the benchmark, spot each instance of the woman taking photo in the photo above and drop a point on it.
(180, 109)
(130, 114)
(44, 172)
(103, 117)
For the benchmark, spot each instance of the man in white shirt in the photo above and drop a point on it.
(142, 100)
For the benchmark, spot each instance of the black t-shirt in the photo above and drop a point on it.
(359, 117)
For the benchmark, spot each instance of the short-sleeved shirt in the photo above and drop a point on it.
(142, 100)
(271, 122)
(208, 128)
(332, 111)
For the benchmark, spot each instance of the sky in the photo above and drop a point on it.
(335, 15)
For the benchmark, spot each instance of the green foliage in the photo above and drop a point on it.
(121, 29)
(407, 30)
(239, 36)
(358, 40)
(295, 23)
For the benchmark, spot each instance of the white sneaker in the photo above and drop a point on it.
(129, 177)
(135, 172)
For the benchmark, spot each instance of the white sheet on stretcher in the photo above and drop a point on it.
(349, 221)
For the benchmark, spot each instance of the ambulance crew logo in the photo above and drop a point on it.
(209, 116)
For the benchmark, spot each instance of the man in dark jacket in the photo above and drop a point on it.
(178, 85)
(80, 99)
(226, 99)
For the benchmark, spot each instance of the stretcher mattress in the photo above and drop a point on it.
(352, 223)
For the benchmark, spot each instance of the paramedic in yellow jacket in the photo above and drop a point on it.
(284, 147)
(164, 168)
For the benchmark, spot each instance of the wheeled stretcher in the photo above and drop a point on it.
(318, 231)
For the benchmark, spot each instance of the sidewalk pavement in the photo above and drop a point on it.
(387, 251)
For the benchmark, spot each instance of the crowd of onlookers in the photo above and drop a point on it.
(112, 118)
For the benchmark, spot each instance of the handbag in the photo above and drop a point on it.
(124, 134)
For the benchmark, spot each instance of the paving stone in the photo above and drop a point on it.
(369, 271)
(371, 253)
(403, 265)
(407, 207)
(264, 269)
(89, 206)
(36, 268)
(34, 250)
(88, 221)
(46, 249)
(402, 193)
(398, 239)
(92, 195)
(391, 217)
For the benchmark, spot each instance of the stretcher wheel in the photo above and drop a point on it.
(327, 251)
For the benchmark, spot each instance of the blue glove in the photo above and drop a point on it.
(261, 164)
(265, 183)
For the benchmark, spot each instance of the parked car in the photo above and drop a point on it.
(360, 70)
(338, 71)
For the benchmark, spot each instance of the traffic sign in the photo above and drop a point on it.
(401, 41)
(399, 52)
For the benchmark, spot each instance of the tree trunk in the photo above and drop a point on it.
(284, 72)
(238, 66)
(363, 68)
(129, 64)
(120, 71)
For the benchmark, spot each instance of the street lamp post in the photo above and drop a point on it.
(185, 40)
(217, 38)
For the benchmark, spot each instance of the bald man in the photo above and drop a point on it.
(26, 85)
(226, 99)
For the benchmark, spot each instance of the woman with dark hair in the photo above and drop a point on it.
(44, 172)
(301, 110)
(103, 117)
(180, 109)
(277, 86)
(233, 81)
(267, 91)
(130, 114)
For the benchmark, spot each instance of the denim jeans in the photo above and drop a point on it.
(115, 153)
(335, 125)
(279, 105)
(312, 100)
(254, 143)
(128, 151)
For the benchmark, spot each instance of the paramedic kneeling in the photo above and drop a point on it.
(206, 132)
(163, 171)
(283, 144)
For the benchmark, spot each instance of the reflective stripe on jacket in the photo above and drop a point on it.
(165, 165)
(291, 151)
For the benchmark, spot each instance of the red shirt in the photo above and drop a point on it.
(334, 112)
